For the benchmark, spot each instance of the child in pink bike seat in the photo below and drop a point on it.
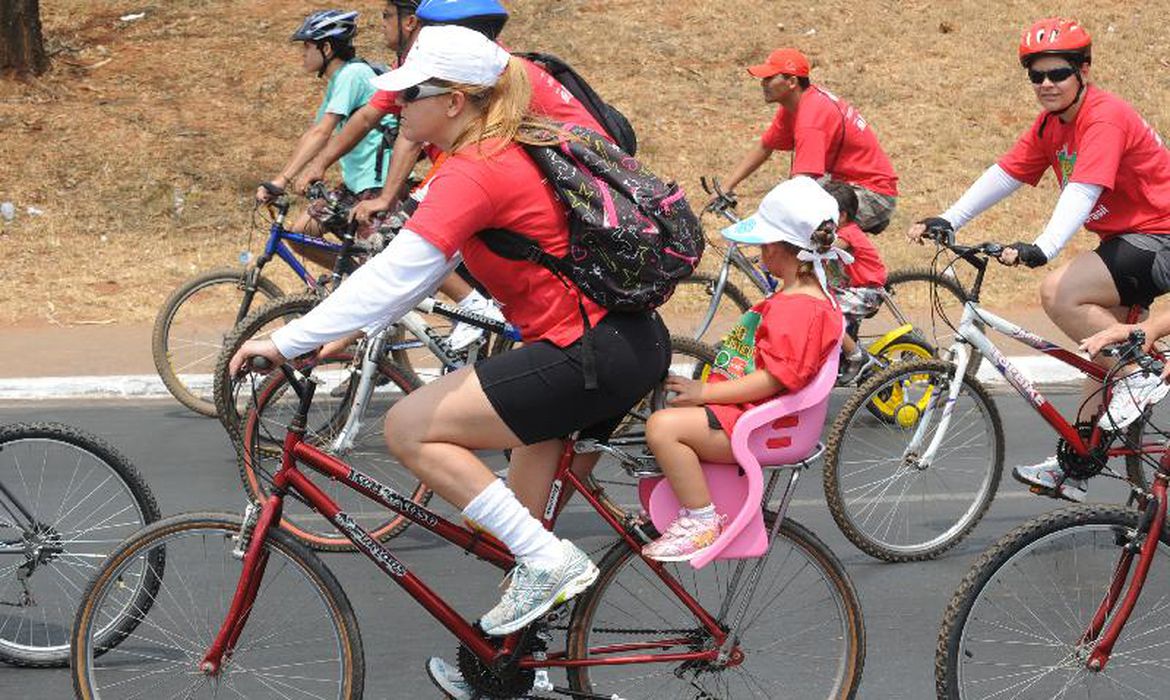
(776, 348)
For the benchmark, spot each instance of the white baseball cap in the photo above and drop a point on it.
(790, 213)
(447, 52)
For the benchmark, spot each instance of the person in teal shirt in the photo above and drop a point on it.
(327, 49)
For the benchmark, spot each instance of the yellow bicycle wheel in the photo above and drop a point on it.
(903, 404)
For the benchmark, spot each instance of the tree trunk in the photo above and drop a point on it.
(21, 45)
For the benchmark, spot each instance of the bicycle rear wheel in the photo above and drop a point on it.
(232, 395)
(918, 295)
(1014, 626)
(190, 329)
(66, 500)
(301, 638)
(883, 498)
(263, 435)
(692, 301)
(802, 636)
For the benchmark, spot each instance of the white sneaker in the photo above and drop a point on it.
(1046, 475)
(534, 591)
(464, 334)
(1131, 396)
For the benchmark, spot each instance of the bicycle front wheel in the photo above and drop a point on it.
(66, 500)
(363, 448)
(1015, 626)
(190, 328)
(232, 395)
(802, 635)
(300, 639)
(885, 498)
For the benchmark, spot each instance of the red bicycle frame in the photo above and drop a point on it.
(483, 546)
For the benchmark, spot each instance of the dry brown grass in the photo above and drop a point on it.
(203, 98)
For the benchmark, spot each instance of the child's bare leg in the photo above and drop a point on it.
(849, 345)
(680, 438)
(455, 287)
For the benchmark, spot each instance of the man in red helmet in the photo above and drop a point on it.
(828, 137)
(1114, 175)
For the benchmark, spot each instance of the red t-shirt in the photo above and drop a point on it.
(474, 191)
(549, 99)
(1108, 144)
(796, 337)
(829, 135)
(867, 268)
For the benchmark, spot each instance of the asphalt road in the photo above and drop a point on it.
(190, 466)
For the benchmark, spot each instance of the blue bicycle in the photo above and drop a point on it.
(193, 322)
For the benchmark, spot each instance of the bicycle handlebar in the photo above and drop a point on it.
(1131, 351)
(723, 203)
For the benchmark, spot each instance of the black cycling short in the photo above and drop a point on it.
(1140, 266)
(539, 389)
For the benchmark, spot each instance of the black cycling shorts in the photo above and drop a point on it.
(539, 389)
(1140, 266)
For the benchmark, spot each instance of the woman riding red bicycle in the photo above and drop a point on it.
(1114, 174)
(464, 93)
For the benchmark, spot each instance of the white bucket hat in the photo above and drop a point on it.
(447, 52)
(791, 212)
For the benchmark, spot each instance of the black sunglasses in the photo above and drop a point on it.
(1056, 75)
(421, 92)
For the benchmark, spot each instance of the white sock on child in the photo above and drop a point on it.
(474, 298)
(705, 514)
(497, 510)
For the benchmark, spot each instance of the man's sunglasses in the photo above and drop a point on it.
(1056, 75)
(421, 92)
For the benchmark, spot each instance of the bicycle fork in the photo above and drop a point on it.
(1150, 526)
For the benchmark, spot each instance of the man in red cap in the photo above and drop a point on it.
(828, 138)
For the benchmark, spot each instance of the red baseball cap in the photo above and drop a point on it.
(786, 61)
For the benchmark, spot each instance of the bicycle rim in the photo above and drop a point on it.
(300, 639)
(886, 501)
(1015, 625)
(84, 499)
(266, 424)
(802, 635)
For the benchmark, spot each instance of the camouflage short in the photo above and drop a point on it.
(873, 210)
(319, 208)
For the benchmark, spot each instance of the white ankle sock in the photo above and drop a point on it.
(706, 513)
(497, 510)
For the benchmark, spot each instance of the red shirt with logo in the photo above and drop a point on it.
(1107, 144)
(477, 189)
(867, 268)
(797, 334)
(828, 135)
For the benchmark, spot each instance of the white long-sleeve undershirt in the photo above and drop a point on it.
(1072, 210)
(379, 293)
(993, 186)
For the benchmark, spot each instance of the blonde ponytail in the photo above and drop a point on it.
(504, 111)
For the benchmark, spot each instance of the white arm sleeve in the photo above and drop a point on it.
(1072, 209)
(991, 187)
(377, 294)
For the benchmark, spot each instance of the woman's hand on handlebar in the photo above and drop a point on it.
(916, 233)
(264, 192)
(364, 211)
(310, 174)
(1010, 256)
(254, 348)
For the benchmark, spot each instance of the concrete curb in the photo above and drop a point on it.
(1039, 369)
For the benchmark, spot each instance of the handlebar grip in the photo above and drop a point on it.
(272, 188)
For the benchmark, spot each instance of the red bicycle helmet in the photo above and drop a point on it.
(1056, 36)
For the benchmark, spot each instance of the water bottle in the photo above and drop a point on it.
(8, 211)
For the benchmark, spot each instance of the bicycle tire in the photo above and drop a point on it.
(619, 490)
(970, 621)
(163, 344)
(936, 334)
(625, 573)
(224, 387)
(732, 299)
(114, 503)
(252, 456)
(200, 624)
(853, 506)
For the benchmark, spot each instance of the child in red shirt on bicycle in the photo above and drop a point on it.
(788, 336)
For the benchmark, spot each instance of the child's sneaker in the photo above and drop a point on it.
(1131, 395)
(685, 538)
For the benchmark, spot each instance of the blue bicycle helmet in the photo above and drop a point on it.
(487, 17)
(337, 25)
